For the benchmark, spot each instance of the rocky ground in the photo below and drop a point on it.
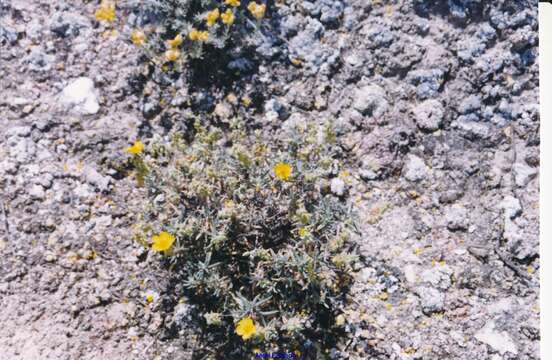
(436, 106)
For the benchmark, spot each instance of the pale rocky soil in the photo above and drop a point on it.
(436, 107)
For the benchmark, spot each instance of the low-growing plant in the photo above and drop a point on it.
(251, 228)
(180, 30)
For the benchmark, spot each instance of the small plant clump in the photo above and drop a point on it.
(185, 29)
(254, 235)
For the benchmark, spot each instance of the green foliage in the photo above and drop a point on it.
(250, 243)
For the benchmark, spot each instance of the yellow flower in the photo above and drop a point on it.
(303, 232)
(340, 320)
(258, 11)
(151, 296)
(162, 242)
(246, 101)
(171, 44)
(196, 35)
(282, 171)
(136, 148)
(234, 3)
(228, 17)
(246, 328)
(138, 37)
(106, 11)
(172, 54)
(212, 17)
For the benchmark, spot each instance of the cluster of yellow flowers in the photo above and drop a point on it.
(257, 10)
(172, 53)
(138, 37)
(174, 43)
(198, 35)
(212, 17)
(106, 11)
(226, 17)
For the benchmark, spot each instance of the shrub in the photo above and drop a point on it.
(185, 29)
(261, 245)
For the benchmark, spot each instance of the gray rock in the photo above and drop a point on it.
(275, 110)
(150, 109)
(290, 25)
(240, 65)
(21, 149)
(329, 11)
(439, 277)
(415, 169)
(33, 30)
(457, 218)
(462, 9)
(498, 340)
(45, 180)
(103, 221)
(523, 173)
(367, 174)
(80, 96)
(523, 247)
(8, 167)
(475, 46)
(450, 196)
(378, 36)
(223, 110)
(268, 47)
(411, 274)
(99, 181)
(366, 274)
(37, 192)
(293, 123)
(39, 61)
(511, 207)
(338, 186)
(427, 82)
(66, 24)
(116, 313)
(182, 315)
(370, 100)
(8, 34)
(432, 300)
(471, 129)
(316, 56)
(429, 115)
(22, 131)
(470, 104)
(354, 60)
